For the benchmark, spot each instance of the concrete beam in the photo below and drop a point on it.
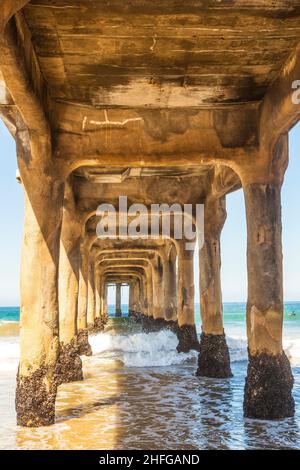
(278, 111)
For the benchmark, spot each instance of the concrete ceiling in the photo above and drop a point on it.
(161, 54)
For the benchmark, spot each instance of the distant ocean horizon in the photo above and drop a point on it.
(231, 311)
(234, 318)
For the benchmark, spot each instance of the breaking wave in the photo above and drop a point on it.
(141, 349)
(157, 349)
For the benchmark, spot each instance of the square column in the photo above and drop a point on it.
(69, 367)
(118, 311)
(187, 334)
(214, 360)
(91, 307)
(170, 285)
(269, 382)
(39, 342)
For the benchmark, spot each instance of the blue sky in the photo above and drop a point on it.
(234, 280)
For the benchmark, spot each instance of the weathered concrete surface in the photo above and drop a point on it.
(83, 286)
(91, 306)
(265, 294)
(214, 360)
(186, 288)
(118, 311)
(210, 267)
(265, 299)
(69, 260)
(170, 284)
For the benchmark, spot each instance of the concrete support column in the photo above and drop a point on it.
(83, 288)
(142, 295)
(170, 285)
(139, 294)
(187, 334)
(268, 388)
(98, 316)
(39, 342)
(105, 306)
(102, 298)
(214, 360)
(158, 293)
(118, 311)
(132, 299)
(97, 293)
(145, 296)
(136, 297)
(84, 347)
(91, 307)
(69, 367)
(149, 291)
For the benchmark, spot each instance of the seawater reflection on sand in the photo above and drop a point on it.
(122, 404)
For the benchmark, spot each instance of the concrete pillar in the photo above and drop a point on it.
(118, 311)
(141, 295)
(105, 306)
(98, 317)
(97, 292)
(84, 347)
(145, 303)
(39, 343)
(148, 294)
(91, 307)
(187, 334)
(269, 382)
(214, 360)
(83, 287)
(157, 285)
(102, 298)
(170, 285)
(69, 367)
(132, 298)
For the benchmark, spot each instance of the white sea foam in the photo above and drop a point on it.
(237, 348)
(9, 354)
(142, 349)
(159, 349)
(156, 349)
(292, 349)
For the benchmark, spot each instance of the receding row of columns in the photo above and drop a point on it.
(65, 271)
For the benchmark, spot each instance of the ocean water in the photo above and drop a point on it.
(139, 393)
